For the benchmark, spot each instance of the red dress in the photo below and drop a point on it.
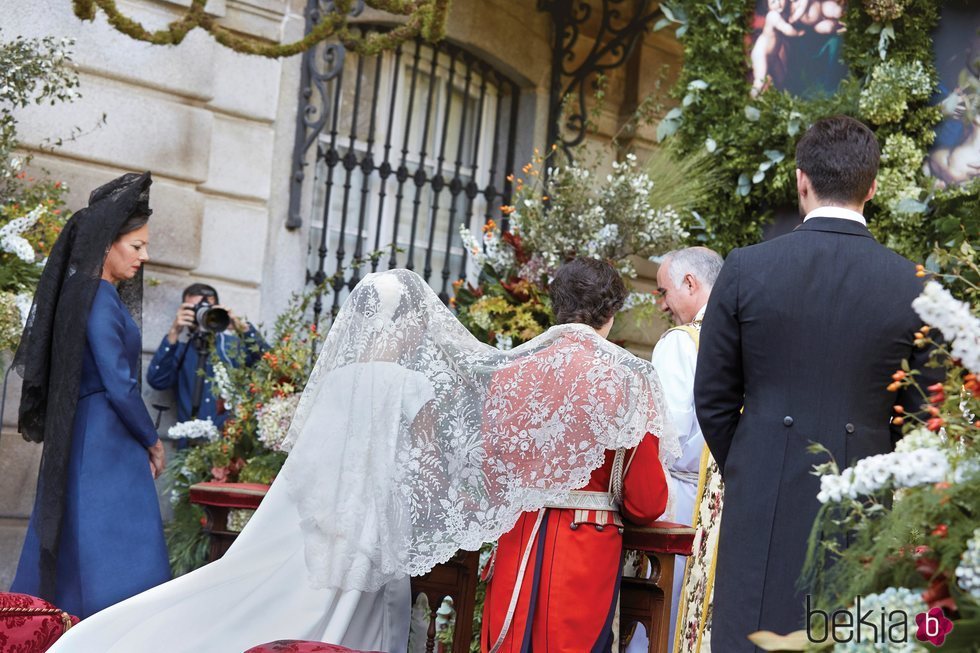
(569, 594)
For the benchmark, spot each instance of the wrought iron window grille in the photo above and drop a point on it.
(410, 145)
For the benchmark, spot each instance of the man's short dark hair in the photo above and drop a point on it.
(202, 289)
(840, 156)
(586, 291)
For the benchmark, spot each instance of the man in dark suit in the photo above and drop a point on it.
(804, 331)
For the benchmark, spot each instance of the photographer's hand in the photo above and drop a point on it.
(184, 318)
(240, 325)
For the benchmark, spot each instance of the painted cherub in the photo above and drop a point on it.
(823, 17)
(767, 45)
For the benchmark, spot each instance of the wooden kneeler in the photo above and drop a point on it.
(647, 600)
(218, 499)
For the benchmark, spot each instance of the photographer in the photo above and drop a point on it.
(211, 327)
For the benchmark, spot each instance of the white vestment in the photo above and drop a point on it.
(675, 358)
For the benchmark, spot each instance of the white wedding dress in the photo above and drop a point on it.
(260, 590)
(412, 440)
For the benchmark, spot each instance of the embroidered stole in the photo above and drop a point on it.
(693, 628)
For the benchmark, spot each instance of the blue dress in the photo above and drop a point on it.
(112, 545)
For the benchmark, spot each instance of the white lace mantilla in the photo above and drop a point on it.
(413, 439)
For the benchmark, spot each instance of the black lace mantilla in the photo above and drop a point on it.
(49, 358)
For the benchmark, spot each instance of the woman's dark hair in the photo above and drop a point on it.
(132, 223)
(586, 291)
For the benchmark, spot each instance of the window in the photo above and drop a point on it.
(414, 143)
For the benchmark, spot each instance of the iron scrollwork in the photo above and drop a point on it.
(619, 28)
(312, 115)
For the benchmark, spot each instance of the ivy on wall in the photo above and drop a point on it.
(425, 18)
(891, 82)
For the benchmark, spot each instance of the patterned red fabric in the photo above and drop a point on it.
(29, 624)
(297, 646)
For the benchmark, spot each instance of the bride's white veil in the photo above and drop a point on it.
(413, 439)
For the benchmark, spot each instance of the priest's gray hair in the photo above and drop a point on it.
(700, 262)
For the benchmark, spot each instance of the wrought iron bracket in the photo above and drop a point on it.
(312, 114)
(619, 28)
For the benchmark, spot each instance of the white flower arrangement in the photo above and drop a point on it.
(222, 382)
(24, 301)
(901, 469)
(504, 343)
(576, 213)
(920, 438)
(639, 300)
(938, 308)
(10, 235)
(274, 419)
(968, 571)
(892, 599)
(194, 429)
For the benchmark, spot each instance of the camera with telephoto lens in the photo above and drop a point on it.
(210, 318)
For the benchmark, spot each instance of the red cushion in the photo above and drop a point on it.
(661, 537)
(228, 495)
(29, 624)
(297, 646)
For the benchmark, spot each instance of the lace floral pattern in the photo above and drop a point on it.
(413, 439)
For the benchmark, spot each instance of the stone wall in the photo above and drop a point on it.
(209, 123)
(216, 129)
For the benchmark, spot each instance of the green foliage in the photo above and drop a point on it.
(753, 142)
(243, 452)
(575, 209)
(32, 71)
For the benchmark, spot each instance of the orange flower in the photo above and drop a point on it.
(506, 209)
(926, 329)
(899, 375)
(893, 387)
(489, 226)
(898, 421)
(932, 410)
(899, 409)
(935, 423)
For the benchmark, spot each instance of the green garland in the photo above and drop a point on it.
(890, 85)
(425, 18)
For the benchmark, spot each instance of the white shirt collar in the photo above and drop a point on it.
(836, 212)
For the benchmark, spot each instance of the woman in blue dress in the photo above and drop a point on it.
(95, 535)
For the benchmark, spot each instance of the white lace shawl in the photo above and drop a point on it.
(413, 439)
